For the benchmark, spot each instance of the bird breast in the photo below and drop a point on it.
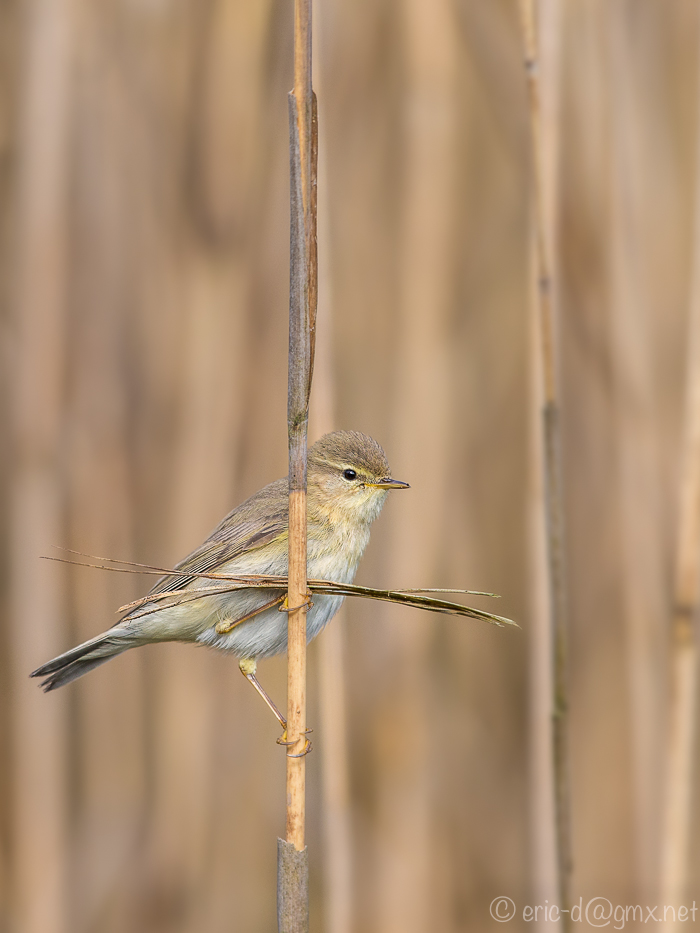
(334, 552)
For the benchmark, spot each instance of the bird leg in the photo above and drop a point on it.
(224, 626)
(248, 667)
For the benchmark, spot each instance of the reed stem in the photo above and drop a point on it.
(553, 485)
(293, 896)
(675, 849)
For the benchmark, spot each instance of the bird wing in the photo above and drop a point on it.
(255, 523)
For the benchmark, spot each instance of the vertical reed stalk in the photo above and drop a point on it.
(681, 736)
(541, 790)
(293, 893)
(553, 490)
(39, 814)
(638, 450)
(409, 875)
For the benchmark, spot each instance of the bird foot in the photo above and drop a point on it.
(283, 740)
(305, 751)
(307, 604)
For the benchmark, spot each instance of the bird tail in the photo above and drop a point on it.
(78, 661)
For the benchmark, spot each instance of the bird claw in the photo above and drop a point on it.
(307, 604)
(305, 751)
(283, 740)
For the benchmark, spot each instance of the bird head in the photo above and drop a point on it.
(348, 476)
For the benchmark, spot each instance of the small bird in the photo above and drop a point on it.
(348, 479)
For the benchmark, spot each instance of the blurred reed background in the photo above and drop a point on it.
(143, 333)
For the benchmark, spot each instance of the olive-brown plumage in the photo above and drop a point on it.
(348, 480)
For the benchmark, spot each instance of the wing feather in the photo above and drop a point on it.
(255, 523)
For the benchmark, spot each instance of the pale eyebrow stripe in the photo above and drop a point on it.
(339, 465)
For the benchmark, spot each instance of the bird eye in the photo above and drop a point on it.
(349, 474)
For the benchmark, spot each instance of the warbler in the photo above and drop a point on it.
(348, 479)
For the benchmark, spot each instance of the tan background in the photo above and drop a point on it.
(143, 330)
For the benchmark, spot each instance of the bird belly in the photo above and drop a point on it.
(266, 633)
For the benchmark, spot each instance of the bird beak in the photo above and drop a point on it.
(389, 483)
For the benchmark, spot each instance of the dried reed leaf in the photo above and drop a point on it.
(413, 597)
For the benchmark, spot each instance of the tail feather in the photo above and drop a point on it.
(78, 661)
